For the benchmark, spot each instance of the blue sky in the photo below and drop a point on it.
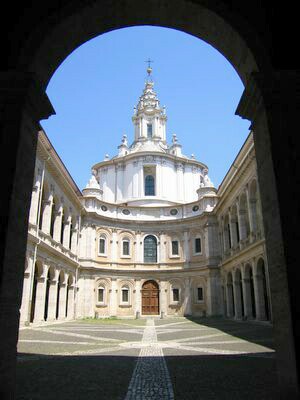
(95, 89)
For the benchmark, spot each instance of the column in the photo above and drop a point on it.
(242, 224)
(70, 313)
(114, 246)
(25, 309)
(186, 249)
(213, 293)
(74, 238)
(237, 299)
(232, 223)
(67, 232)
(259, 297)
(46, 217)
(222, 237)
(138, 248)
(179, 172)
(57, 224)
(113, 298)
(188, 295)
(162, 246)
(229, 302)
(63, 299)
(163, 301)
(247, 298)
(40, 299)
(250, 215)
(141, 178)
(119, 181)
(53, 298)
(253, 208)
(138, 298)
(34, 206)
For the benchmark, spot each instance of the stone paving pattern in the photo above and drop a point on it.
(150, 379)
(147, 359)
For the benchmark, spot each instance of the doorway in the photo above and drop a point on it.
(150, 298)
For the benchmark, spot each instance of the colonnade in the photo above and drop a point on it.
(52, 216)
(48, 292)
(246, 294)
(241, 224)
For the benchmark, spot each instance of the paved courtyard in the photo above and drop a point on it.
(147, 359)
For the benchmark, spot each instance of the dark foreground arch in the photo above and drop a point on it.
(42, 35)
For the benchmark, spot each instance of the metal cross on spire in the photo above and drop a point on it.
(149, 69)
(149, 62)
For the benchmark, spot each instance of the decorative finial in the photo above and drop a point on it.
(124, 139)
(106, 157)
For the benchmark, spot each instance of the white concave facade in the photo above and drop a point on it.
(148, 235)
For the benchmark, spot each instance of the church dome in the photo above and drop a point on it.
(150, 172)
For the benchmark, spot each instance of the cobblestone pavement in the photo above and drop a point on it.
(147, 359)
(150, 379)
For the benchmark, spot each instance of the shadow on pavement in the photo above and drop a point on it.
(254, 332)
(213, 377)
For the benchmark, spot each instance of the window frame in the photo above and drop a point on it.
(195, 252)
(125, 288)
(156, 243)
(172, 255)
(147, 186)
(149, 124)
(177, 289)
(127, 240)
(102, 237)
(197, 300)
(103, 302)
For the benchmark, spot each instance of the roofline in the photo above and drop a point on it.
(117, 159)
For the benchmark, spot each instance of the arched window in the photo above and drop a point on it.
(100, 294)
(102, 245)
(150, 249)
(149, 185)
(125, 295)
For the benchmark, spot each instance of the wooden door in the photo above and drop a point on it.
(150, 298)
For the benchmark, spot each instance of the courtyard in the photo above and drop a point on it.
(149, 358)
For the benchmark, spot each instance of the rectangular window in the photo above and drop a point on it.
(100, 295)
(125, 295)
(102, 246)
(149, 130)
(197, 245)
(125, 248)
(175, 294)
(200, 294)
(175, 248)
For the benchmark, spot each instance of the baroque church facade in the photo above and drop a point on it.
(148, 235)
